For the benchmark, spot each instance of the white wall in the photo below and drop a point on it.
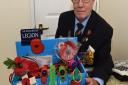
(116, 13)
(16, 14)
(47, 13)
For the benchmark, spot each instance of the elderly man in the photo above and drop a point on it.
(94, 33)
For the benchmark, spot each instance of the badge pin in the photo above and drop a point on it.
(86, 39)
(89, 32)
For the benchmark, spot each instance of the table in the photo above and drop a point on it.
(114, 81)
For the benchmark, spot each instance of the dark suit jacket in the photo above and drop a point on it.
(99, 38)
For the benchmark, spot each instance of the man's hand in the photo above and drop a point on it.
(91, 81)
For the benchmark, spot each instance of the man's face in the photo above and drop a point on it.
(82, 8)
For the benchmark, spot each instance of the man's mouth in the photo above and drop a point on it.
(80, 11)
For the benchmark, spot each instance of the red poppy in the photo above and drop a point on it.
(24, 65)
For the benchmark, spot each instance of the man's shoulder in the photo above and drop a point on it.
(67, 16)
(102, 23)
(67, 13)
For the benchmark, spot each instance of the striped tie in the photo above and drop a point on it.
(78, 31)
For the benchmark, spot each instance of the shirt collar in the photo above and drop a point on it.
(83, 22)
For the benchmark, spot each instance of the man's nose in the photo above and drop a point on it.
(80, 3)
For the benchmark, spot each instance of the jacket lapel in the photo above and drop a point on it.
(72, 23)
(88, 31)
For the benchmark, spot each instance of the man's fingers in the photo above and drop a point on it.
(89, 81)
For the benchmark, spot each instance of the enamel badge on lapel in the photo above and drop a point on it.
(88, 34)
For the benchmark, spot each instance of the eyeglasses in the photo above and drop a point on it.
(77, 1)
